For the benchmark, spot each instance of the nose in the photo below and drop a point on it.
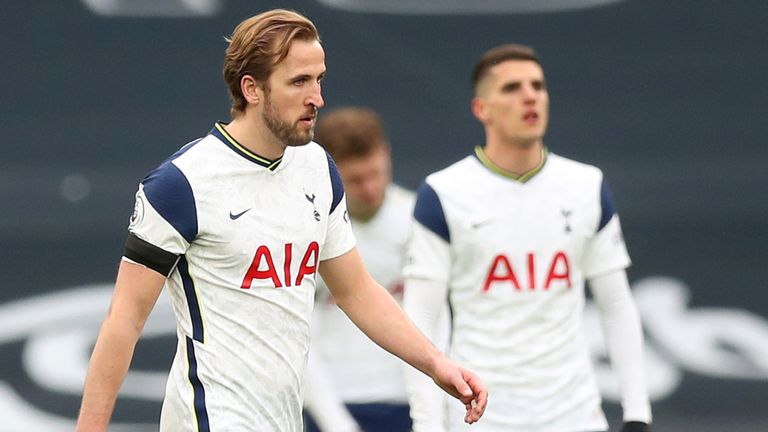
(316, 97)
(529, 93)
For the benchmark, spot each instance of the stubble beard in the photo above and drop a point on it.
(288, 134)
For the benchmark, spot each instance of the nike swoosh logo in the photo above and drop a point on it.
(235, 216)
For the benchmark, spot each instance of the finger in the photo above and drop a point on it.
(473, 382)
(465, 390)
(471, 416)
(476, 386)
(474, 396)
(461, 389)
(481, 401)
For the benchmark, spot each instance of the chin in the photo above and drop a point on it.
(299, 141)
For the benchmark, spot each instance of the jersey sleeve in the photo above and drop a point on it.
(164, 220)
(339, 238)
(606, 251)
(428, 251)
(426, 273)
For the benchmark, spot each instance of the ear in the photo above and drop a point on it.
(251, 89)
(478, 109)
(387, 148)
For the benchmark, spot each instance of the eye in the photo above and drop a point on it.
(299, 81)
(510, 87)
(539, 85)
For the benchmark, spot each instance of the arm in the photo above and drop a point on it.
(624, 339)
(424, 302)
(377, 314)
(136, 291)
(426, 292)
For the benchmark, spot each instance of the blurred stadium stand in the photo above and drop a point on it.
(666, 96)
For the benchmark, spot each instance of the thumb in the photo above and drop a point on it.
(464, 389)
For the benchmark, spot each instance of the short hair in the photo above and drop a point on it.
(350, 132)
(258, 44)
(500, 54)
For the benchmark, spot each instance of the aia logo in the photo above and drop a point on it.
(522, 276)
(263, 266)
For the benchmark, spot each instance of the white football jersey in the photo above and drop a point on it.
(249, 234)
(360, 370)
(514, 255)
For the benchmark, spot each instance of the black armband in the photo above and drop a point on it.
(149, 255)
(635, 426)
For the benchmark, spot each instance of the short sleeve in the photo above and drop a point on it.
(428, 251)
(165, 213)
(606, 251)
(339, 238)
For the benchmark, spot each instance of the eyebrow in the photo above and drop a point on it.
(298, 77)
(305, 76)
(513, 85)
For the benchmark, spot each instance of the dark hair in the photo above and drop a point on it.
(350, 132)
(500, 54)
(258, 44)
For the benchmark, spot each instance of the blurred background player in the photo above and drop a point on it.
(509, 235)
(352, 384)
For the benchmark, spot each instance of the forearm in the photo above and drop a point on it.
(424, 303)
(379, 316)
(624, 340)
(106, 372)
(136, 292)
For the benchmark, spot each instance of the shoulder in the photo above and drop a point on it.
(455, 174)
(571, 175)
(573, 167)
(439, 189)
(311, 158)
(399, 196)
(310, 153)
(397, 207)
(314, 158)
(171, 172)
(450, 183)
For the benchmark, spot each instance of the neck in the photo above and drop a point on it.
(515, 158)
(251, 132)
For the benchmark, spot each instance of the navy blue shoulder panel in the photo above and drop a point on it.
(170, 193)
(336, 184)
(606, 204)
(429, 211)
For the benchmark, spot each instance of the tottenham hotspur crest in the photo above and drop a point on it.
(311, 199)
(566, 216)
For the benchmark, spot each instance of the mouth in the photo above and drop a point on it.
(531, 117)
(308, 119)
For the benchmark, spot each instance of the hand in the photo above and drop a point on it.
(635, 426)
(464, 386)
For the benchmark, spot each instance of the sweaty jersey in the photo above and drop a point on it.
(360, 370)
(514, 255)
(241, 238)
